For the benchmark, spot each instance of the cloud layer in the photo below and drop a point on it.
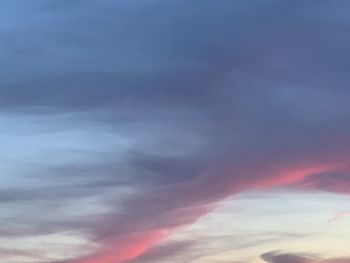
(135, 118)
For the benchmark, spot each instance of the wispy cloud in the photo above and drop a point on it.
(277, 257)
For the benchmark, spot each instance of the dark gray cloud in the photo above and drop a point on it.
(278, 257)
(275, 257)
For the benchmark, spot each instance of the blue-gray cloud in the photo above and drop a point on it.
(159, 109)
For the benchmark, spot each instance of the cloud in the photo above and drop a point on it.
(330, 181)
(165, 251)
(160, 109)
(273, 257)
(277, 257)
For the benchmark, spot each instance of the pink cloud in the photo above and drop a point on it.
(120, 249)
(125, 248)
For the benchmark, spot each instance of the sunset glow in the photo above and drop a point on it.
(174, 131)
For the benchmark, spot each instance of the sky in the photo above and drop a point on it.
(174, 131)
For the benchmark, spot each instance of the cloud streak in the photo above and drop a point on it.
(275, 257)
